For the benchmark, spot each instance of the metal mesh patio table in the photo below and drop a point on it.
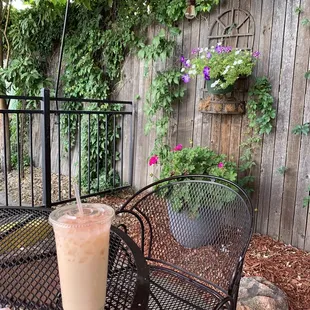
(28, 264)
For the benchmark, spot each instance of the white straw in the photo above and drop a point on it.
(78, 199)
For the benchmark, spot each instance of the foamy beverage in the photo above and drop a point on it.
(82, 243)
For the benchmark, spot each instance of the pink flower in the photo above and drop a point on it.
(256, 54)
(178, 148)
(220, 165)
(153, 160)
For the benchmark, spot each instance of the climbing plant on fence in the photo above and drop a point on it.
(100, 34)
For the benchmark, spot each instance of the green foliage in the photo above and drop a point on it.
(305, 22)
(259, 108)
(161, 48)
(100, 33)
(170, 12)
(33, 32)
(197, 160)
(307, 75)
(164, 92)
(91, 137)
(22, 77)
(282, 170)
(260, 114)
(298, 10)
(303, 129)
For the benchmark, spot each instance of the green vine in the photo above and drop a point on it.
(303, 129)
(260, 114)
(164, 92)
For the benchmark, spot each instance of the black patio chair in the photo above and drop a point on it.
(194, 231)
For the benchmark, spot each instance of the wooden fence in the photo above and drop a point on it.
(284, 45)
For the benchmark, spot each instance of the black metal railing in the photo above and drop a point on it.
(95, 151)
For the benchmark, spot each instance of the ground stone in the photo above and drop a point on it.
(256, 293)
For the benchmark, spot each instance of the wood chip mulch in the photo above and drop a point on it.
(283, 265)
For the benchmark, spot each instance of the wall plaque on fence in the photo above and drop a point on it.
(232, 31)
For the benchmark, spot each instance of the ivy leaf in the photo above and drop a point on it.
(307, 75)
(175, 31)
(141, 54)
(305, 22)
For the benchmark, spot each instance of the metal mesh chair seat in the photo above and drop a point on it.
(175, 291)
(198, 226)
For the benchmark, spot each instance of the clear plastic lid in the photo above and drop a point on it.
(70, 217)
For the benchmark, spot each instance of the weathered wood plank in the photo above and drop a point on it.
(289, 47)
(173, 126)
(301, 235)
(256, 11)
(198, 119)
(304, 177)
(268, 142)
(154, 69)
(206, 24)
(124, 92)
(186, 109)
(291, 197)
(238, 125)
(141, 145)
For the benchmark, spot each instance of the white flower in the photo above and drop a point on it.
(202, 56)
(219, 43)
(192, 72)
(200, 50)
(240, 61)
(206, 49)
(193, 66)
(235, 63)
(183, 69)
(215, 83)
(237, 52)
(222, 85)
(212, 47)
(188, 62)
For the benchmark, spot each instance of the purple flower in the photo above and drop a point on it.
(187, 63)
(195, 50)
(227, 49)
(206, 73)
(185, 78)
(178, 148)
(219, 49)
(206, 70)
(256, 54)
(153, 160)
(207, 77)
(182, 59)
(220, 165)
(209, 55)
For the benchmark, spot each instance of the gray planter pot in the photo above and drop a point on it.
(195, 232)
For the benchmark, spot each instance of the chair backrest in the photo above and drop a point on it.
(198, 225)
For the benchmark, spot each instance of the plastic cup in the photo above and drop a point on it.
(82, 243)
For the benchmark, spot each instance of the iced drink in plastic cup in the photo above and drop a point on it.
(82, 242)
